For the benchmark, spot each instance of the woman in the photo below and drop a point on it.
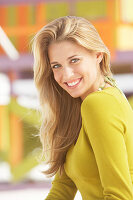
(87, 127)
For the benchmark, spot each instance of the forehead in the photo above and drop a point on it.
(64, 49)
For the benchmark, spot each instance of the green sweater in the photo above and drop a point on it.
(100, 164)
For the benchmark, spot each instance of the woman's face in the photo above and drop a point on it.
(75, 69)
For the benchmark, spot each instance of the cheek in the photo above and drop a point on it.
(90, 72)
(57, 76)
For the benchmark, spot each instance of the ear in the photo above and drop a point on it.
(99, 57)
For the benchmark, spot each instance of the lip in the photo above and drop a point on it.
(74, 86)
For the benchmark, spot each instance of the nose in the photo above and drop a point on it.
(67, 73)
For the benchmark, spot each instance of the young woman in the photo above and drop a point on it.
(87, 127)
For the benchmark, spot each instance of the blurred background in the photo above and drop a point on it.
(20, 167)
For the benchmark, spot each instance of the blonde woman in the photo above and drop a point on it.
(87, 123)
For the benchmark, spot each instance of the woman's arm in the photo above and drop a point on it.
(105, 127)
(63, 188)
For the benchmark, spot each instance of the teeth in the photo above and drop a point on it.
(73, 83)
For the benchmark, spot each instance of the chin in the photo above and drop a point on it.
(75, 95)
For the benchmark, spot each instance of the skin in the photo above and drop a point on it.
(75, 69)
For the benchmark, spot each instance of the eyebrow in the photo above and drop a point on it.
(67, 59)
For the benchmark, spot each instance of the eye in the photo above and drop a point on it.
(75, 60)
(56, 66)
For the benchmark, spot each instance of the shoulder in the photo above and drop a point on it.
(100, 104)
(102, 111)
(98, 99)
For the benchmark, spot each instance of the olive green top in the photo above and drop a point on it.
(100, 164)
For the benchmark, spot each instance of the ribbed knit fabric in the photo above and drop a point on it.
(100, 164)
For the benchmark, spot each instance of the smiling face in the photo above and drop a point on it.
(75, 69)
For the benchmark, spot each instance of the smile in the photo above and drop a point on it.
(73, 83)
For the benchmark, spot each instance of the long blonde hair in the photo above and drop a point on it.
(61, 117)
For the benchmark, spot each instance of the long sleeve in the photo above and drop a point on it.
(63, 188)
(104, 123)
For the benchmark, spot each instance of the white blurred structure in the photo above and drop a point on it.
(26, 93)
(5, 174)
(4, 90)
(8, 47)
(125, 82)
